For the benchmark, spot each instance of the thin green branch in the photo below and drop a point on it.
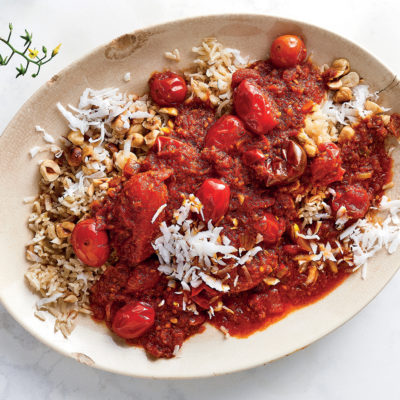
(31, 58)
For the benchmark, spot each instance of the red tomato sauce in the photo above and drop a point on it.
(179, 164)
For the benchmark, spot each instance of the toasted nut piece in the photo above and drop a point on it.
(76, 138)
(312, 275)
(350, 80)
(119, 126)
(90, 190)
(64, 229)
(151, 137)
(371, 106)
(88, 171)
(170, 124)
(109, 164)
(310, 149)
(51, 231)
(137, 140)
(346, 133)
(87, 150)
(74, 156)
(388, 186)
(111, 147)
(136, 128)
(50, 170)
(303, 243)
(342, 95)
(121, 158)
(169, 110)
(332, 266)
(335, 85)
(342, 67)
(240, 198)
(364, 175)
(271, 281)
(385, 119)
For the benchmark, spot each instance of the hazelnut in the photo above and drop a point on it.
(346, 133)
(341, 66)
(76, 138)
(50, 170)
(350, 80)
(74, 156)
(342, 95)
(64, 229)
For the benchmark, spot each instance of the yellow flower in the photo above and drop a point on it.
(56, 50)
(33, 53)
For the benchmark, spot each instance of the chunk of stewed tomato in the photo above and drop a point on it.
(270, 227)
(354, 199)
(327, 166)
(226, 134)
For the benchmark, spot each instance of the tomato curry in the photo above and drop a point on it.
(247, 169)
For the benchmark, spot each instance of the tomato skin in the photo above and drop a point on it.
(255, 108)
(287, 51)
(270, 227)
(133, 320)
(162, 142)
(245, 73)
(225, 133)
(214, 195)
(252, 156)
(90, 243)
(327, 166)
(354, 198)
(167, 88)
(203, 294)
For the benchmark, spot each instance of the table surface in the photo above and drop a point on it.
(359, 360)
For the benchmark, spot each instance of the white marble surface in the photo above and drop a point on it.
(359, 360)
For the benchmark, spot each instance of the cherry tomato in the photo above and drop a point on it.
(245, 73)
(90, 244)
(226, 133)
(327, 166)
(287, 51)
(133, 319)
(354, 198)
(167, 88)
(214, 195)
(255, 108)
(253, 156)
(270, 227)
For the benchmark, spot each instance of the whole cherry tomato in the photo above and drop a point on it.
(327, 166)
(90, 244)
(287, 51)
(167, 88)
(133, 320)
(354, 198)
(226, 133)
(270, 227)
(255, 107)
(214, 195)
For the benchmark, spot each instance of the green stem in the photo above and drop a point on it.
(22, 54)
